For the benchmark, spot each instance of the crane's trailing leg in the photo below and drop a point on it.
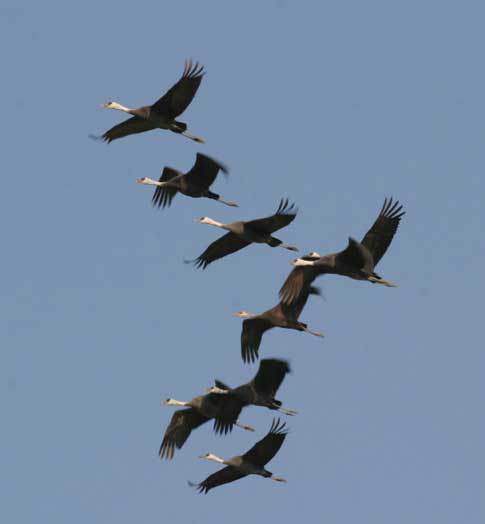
(278, 479)
(291, 248)
(244, 426)
(316, 333)
(232, 204)
(290, 412)
(375, 280)
(194, 138)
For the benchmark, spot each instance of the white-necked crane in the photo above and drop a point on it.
(195, 183)
(241, 234)
(356, 261)
(161, 114)
(253, 462)
(223, 408)
(261, 390)
(282, 315)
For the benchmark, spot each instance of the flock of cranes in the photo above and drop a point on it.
(222, 403)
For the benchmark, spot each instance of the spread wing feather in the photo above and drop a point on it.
(380, 235)
(178, 431)
(251, 335)
(176, 100)
(264, 450)
(285, 214)
(223, 246)
(133, 125)
(204, 171)
(163, 195)
(223, 476)
(270, 375)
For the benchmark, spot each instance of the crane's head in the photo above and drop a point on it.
(210, 456)
(169, 402)
(108, 105)
(204, 220)
(244, 314)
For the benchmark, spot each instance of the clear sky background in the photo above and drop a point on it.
(335, 105)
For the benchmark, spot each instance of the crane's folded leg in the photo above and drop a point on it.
(375, 280)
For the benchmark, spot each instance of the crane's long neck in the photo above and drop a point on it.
(151, 182)
(119, 107)
(215, 223)
(173, 402)
(215, 458)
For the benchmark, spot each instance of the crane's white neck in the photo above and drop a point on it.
(115, 105)
(215, 458)
(173, 402)
(211, 222)
(245, 314)
(150, 181)
(300, 262)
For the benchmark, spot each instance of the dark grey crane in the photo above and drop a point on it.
(161, 114)
(261, 390)
(253, 462)
(241, 234)
(199, 410)
(282, 315)
(356, 261)
(195, 183)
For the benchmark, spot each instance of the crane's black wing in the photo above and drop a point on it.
(299, 278)
(179, 429)
(204, 171)
(225, 245)
(251, 335)
(270, 375)
(176, 100)
(163, 196)
(285, 214)
(380, 235)
(294, 309)
(264, 450)
(356, 255)
(227, 408)
(133, 125)
(223, 476)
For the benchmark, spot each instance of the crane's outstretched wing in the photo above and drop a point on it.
(380, 235)
(294, 309)
(176, 100)
(179, 429)
(285, 214)
(270, 375)
(223, 476)
(133, 125)
(223, 246)
(264, 450)
(228, 407)
(299, 278)
(163, 196)
(251, 335)
(356, 255)
(204, 171)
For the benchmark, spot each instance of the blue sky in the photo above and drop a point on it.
(334, 105)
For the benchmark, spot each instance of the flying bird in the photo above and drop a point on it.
(161, 114)
(251, 463)
(241, 234)
(356, 261)
(282, 315)
(223, 408)
(261, 390)
(195, 183)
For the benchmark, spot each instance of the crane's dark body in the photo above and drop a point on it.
(162, 114)
(282, 315)
(241, 234)
(195, 183)
(356, 261)
(261, 390)
(253, 462)
(201, 409)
